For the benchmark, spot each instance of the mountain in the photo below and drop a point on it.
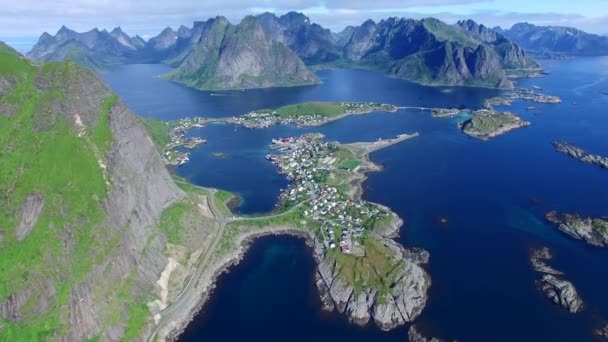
(84, 205)
(430, 52)
(513, 56)
(557, 39)
(313, 43)
(239, 56)
(94, 49)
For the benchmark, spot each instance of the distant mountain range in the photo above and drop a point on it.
(270, 51)
(556, 39)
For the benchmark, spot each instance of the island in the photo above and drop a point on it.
(530, 95)
(487, 124)
(602, 331)
(555, 288)
(593, 231)
(362, 272)
(309, 114)
(414, 335)
(484, 123)
(580, 154)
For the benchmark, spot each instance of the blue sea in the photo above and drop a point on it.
(494, 195)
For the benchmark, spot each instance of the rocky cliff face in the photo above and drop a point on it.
(512, 55)
(241, 56)
(89, 250)
(403, 303)
(313, 43)
(556, 39)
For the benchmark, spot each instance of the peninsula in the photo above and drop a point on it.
(580, 154)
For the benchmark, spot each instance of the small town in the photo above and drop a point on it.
(319, 172)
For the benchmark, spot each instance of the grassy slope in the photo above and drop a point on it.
(326, 109)
(158, 131)
(63, 169)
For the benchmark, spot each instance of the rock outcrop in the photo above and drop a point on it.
(561, 292)
(404, 303)
(580, 154)
(30, 210)
(556, 289)
(413, 335)
(593, 231)
(602, 331)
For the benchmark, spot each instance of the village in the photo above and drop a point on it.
(174, 153)
(319, 170)
(306, 115)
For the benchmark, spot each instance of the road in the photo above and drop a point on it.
(185, 295)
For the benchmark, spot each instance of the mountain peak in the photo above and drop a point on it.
(117, 30)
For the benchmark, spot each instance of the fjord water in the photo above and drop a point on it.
(494, 195)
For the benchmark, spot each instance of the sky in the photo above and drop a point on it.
(23, 21)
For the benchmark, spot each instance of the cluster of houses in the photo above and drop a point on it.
(263, 119)
(177, 138)
(530, 95)
(267, 119)
(309, 163)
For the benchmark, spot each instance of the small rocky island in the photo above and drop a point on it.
(580, 154)
(530, 95)
(593, 231)
(487, 124)
(556, 289)
(362, 272)
(414, 335)
(483, 124)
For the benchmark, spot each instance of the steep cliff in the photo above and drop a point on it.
(513, 57)
(82, 189)
(240, 56)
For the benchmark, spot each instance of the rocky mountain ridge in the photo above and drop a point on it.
(426, 51)
(557, 40)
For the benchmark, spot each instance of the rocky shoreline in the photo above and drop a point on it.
(556, 289)
(592, 231)
(405, 302)
(208, 280)
(413, 335)
(580, 154)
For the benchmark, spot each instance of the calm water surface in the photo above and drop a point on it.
(494, 195)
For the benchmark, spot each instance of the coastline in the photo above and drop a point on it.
(247, 235)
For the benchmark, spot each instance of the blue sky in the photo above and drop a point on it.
(23, 21)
